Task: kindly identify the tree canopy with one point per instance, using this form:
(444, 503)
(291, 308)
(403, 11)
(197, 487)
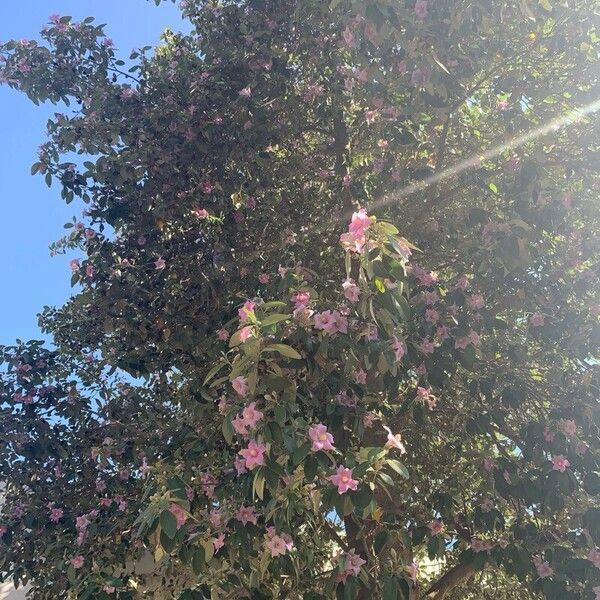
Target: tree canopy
(335, 322)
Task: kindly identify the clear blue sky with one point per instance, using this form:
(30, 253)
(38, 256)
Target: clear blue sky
(32, 215)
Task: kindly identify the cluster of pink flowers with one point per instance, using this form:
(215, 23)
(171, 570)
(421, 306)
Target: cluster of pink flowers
(247, 514)
(248, 419)
(354, 240)
(350, 565)
(278, 544)
(543, 568)
(331, 322)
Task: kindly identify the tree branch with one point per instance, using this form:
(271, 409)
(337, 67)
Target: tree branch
(451, 579)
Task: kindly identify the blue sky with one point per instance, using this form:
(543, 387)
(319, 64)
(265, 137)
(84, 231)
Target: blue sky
(32, 215)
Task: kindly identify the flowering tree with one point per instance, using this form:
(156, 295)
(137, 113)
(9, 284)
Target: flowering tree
(274, 392)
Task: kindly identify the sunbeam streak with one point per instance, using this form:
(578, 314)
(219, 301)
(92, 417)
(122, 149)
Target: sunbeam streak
(571, 117)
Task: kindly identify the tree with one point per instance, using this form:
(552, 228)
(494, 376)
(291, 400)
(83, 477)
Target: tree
(277, 404)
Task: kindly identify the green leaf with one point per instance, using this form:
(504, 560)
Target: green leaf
(390, 587)
(228, 431)
(284, 350)
(493, 187)
(275, 318)
(168, 523)
(209, 550)
(198, 560)
(398, 467)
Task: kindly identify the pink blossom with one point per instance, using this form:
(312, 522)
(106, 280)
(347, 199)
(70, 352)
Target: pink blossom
(436, 526)
(254, 454)
(240, 385)
(160, 263)
(360, 377)
(351, 290)
(246, 514)
(216, 517)
(569, 427)
(352, 564)
(279, 545)
(413, 570)
(352, 243)
(543, 568)
(560, 463)
(343, 480)
(502, 104)
(251, 416)
(246, 333)
(394, 441)
(596, 591)
(56, 514)
(360, 223)
(219, 541)
(246, 311)
(240, 425)
(399, 348)
(548, 435)
(477, 301)
(245, 92)
(426, 346)
(432, 315)
(421, 9)
(264, 278)
(300, 299)
(179, 514)
(77, 561)
(478, 545)
(223, 334)
(594, 558)
(537, 319)
(349, 37)
(201, 213)
(321, 438)
(331, 322)
(74, 265)
(3, 530)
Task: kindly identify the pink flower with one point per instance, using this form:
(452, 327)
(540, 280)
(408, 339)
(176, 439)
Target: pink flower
(569, 427)
(398, 347)
(77, 561)
(477, 301)
(74, 265)
(352, 564)
(277, 545)
(352, 243)
(537, 319)
(254, 454)
(560, 463)
(246, 311)
(543, 568)
(179, 514)
(245, 333)
(240, 385)
(413, 570)
(351, 290)
(502, 104)
(596, 591)
(343, 480)
(349, 36)
(394, 441)
(360, 377)
(240, 425)
(300, 299)
(56, 514)
(246, 514)
(421, 9)
(426, 346)
(201, 213)
(3, 530)
(219, 541)
(321, 438)
(360, 223)
(326, 321)
(548, 435)
(245, 92)
(223, 334)
(264, 278)
(160, 263)
(216, 517)
(594, 558)
(436, 526)
(251, 416)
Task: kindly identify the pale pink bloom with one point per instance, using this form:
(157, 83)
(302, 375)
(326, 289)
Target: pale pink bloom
(240, 465)
(371, 32)
(77, 561)
(246, 514)
(240, 385)
(413, 570)
(90, 271)
(477, 301)
(201, 213)
(371, 332)
(300, 299)
(432, 315)
(560, 463)
(462, 342)
(548, 435)
(352, 243)
(351, 290)
(569, 427)
(251, 416)
(442, 333)
(74, 265)
(394, 441)
(594, 558)
(581, 448)
(421, 9)
(240, 425)
(246, 310)
(360, 223)
(543, 568)
(56, 514)
(537, 319)
(371, 117)
(264, 278)
(362, 75)
(436, 526)
(343, 480)
(596, 591)
(426, 346)
(478, 545)
(127, 93)
(276, 545)
(399, 348)
(216, 517)
(245, 92)
(502, 104)
(321, 438)
(349, 37)
(254, 454)
(360, 377)
(160, 263)
(341, 322)
(219, 541)
(245, 333)
(179, 514)
(223, 334)
(352, 564)
(462, 283)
